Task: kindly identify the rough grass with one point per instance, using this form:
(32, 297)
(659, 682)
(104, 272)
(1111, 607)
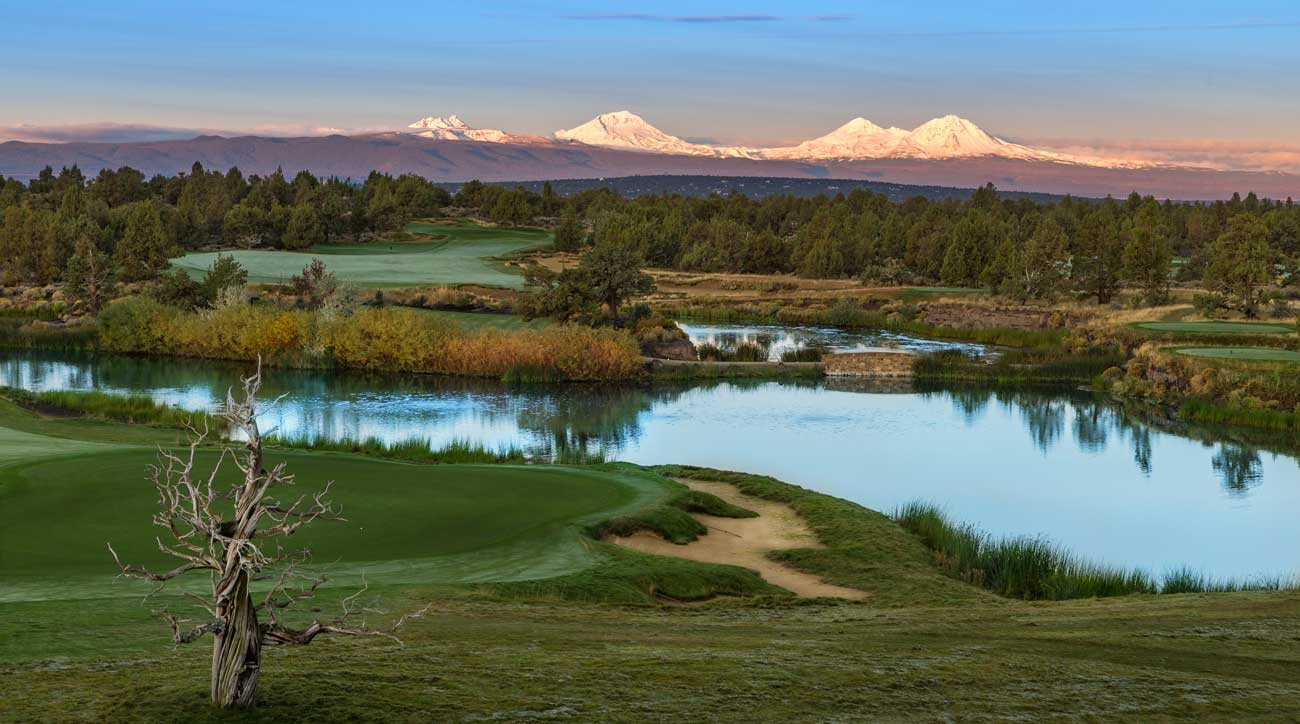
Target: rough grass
(467, 255)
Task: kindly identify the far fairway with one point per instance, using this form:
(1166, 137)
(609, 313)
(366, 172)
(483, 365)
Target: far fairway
(1218, 327)
(450, 254)
(1250, 354)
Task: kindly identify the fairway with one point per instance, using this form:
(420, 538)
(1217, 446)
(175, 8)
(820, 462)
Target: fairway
(61, 501)
(449, 254)
(1250, 354)
(1218, 327)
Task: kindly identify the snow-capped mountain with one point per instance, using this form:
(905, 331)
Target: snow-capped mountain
(859, 138)
(627, 130)
(452, 128)
(947, 137)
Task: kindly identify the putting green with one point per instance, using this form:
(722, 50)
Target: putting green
(1218, 327)
(1252, 354)
(467, 255)
(406, 523)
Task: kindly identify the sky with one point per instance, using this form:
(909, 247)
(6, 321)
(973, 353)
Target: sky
(1204, 77)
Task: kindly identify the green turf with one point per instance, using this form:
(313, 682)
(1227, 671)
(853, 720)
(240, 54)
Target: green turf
(468, 255)
(1251, 354)
(1217, 327)
(485, 320)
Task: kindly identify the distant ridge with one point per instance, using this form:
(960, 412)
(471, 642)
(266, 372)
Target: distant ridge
(443, 160)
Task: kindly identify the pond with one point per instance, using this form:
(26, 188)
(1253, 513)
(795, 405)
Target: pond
(1058, 463)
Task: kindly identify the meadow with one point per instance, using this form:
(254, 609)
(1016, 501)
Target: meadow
(426, 254)
(534, 618)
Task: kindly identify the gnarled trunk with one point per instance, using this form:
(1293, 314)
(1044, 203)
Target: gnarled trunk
(236, 650)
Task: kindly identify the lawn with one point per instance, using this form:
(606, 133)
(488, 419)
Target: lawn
(460, 254)
(1249, 354)
(1218, 327)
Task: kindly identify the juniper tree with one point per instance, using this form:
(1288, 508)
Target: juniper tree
(233, 532)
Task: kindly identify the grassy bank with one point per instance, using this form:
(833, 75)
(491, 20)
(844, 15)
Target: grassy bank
(1039, 365)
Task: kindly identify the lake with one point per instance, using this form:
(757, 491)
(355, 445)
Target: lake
(1059, 463)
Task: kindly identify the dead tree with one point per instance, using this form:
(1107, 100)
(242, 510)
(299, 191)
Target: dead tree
(231, 531)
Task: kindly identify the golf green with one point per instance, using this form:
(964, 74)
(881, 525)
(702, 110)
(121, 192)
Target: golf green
(62, 502)
(462, 254)
(1251, 354)
(1218, 327)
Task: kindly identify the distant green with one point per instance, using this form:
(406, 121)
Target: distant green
(1252, 354)
(463, 254)
(1218, 327)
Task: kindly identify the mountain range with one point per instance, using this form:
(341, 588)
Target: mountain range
(948, 151)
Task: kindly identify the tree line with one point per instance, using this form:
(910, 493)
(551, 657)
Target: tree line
(120, 226)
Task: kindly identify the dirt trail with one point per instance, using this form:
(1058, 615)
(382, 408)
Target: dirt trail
(746, 541)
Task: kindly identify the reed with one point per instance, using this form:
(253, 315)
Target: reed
(414, 450)
(133, 409)
(1018, 567)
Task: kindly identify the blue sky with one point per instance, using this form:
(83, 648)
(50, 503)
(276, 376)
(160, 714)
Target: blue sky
(752, 72)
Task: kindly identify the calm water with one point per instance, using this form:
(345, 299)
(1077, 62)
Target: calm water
(1061, 464)
(778, 339)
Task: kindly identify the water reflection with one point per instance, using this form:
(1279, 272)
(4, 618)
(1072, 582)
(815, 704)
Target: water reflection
(1063, 463)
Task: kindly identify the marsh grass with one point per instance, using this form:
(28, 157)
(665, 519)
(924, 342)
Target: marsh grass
(1023, 567)
(134, 409)
(744, 352)
(414, 450)
(803, 354)
(1034, 568)
(1043, 364)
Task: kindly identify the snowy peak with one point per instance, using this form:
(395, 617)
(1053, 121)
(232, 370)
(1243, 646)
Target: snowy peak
(954, 136)
(625, 129)
(452, 128)
(452, 122)
(859, 138)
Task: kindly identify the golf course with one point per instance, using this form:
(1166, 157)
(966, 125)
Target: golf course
(523, 587)
(426, 254)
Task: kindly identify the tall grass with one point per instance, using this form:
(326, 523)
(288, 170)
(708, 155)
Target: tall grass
(135, 409)
(1034, 568)
(414, 450)
(1046, 364)
(744, 352)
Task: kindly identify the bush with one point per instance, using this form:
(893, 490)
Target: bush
(381, 338)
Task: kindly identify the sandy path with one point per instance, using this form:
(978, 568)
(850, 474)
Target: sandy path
(745, 542)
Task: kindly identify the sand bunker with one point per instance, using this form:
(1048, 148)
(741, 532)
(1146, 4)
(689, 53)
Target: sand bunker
(746, 541)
